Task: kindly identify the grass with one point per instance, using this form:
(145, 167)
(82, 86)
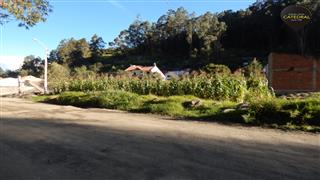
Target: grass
(297, 114)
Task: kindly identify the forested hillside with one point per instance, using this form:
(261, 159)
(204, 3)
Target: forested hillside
(181, 39)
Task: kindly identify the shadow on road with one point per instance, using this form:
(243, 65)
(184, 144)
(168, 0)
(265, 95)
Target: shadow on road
(58, 149)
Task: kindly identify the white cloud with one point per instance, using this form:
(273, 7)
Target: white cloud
(11, 62)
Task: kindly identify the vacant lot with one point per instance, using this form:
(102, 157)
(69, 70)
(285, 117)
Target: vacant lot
(41, 141)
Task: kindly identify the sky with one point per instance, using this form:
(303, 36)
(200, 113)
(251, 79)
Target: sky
(83, 18)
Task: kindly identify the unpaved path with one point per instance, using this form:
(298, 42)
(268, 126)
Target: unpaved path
(41, 141)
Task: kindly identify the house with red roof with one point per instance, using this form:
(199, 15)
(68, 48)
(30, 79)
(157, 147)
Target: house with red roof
(139, 71)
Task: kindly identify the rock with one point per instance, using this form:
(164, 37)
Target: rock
(193, 103)
(228, 110)
(243, 106)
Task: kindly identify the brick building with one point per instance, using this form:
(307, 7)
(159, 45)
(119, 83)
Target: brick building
(293, 73)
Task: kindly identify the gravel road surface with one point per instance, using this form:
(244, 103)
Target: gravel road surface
(51, 142)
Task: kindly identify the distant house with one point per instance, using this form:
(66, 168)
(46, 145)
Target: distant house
(139, 71)
(176, 74)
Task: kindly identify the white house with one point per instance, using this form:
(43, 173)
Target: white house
(137, 70)
(176, 74)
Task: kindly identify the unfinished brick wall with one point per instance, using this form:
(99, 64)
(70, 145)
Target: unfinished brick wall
(293, 73)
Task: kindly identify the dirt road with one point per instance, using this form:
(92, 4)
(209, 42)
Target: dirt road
(50, 142)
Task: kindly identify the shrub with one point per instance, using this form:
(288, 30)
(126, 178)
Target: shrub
(258, 89)
(254, 69)
(58, 77)
(281, 111)
(110, 99)
(80, 99)
(118, 100)
(83, 73)
(216, 69)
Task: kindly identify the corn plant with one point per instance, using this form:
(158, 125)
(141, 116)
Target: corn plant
(218, 87)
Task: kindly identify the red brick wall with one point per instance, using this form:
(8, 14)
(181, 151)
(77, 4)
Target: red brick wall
(293, 73)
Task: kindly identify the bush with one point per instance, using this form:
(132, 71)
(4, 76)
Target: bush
(254, 69)
(258, 89)
(83, 73)
(80, 99)
(280, 111)
(111, 99)
(118, 100)
(58, 77)
(216, 69)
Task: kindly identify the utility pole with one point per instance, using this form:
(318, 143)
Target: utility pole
(45, 65)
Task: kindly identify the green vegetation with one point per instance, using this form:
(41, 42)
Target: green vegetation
(87, 74)
(57, 74)
(28, 13)
(280, 111)
(217, 87)
(180, 39)
(214, 94)
(32, 66)
(303, 114)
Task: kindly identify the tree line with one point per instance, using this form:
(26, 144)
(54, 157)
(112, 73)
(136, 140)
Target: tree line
(180, 39)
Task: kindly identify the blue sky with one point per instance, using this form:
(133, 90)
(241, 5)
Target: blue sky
(83, 18)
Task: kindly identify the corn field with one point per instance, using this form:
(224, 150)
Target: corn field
(233, 88)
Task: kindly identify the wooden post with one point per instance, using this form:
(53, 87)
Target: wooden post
(19, 85)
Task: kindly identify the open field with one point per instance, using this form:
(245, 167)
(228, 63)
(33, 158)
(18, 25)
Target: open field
(41, 141)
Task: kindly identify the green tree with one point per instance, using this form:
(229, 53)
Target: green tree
(176, 35)
(216, 69)
(96, 47)
(72, 52)
(209, 30)
(260, 29)
(32, 66)
(26, 12)
(133, 37)
(11, 73)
